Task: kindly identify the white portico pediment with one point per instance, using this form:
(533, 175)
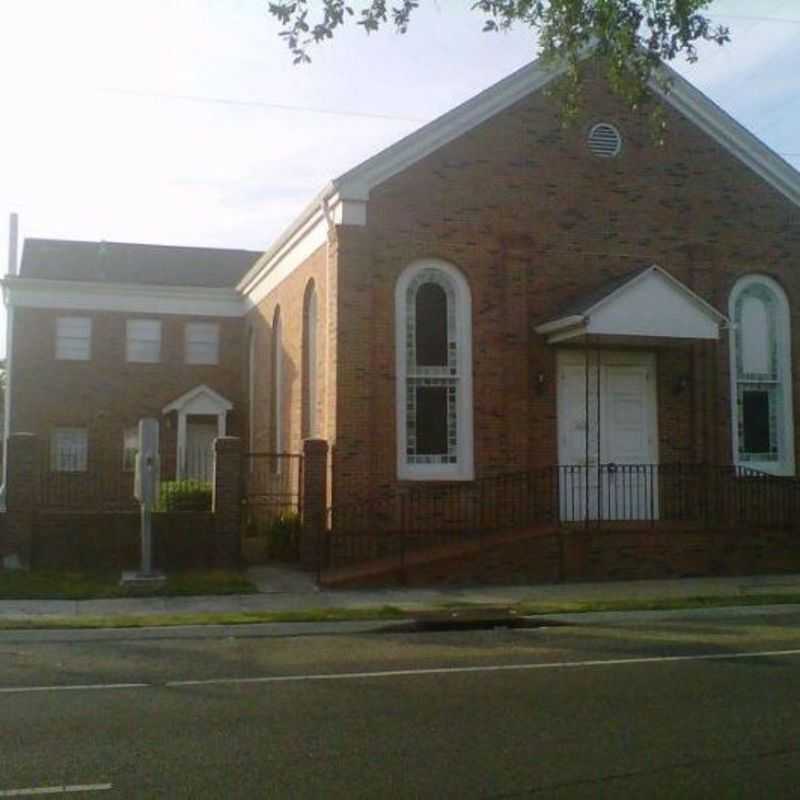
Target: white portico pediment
(648, 305)
(200, 400)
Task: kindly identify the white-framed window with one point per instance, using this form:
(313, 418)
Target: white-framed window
(310, 424)
(202, 343)
(73, 338)
(761, 376)
(143, 340)
(130, 447)
(69, 449)
(433, 339)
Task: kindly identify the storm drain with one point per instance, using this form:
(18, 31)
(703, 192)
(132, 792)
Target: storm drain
(470, 619)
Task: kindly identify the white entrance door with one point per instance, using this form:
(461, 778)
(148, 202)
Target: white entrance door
(607, 456)
(199, 455)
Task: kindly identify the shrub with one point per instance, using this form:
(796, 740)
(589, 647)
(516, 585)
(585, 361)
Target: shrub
(188, 495)
(282, 534)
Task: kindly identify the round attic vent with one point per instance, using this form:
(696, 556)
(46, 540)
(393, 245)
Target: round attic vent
(604, 140)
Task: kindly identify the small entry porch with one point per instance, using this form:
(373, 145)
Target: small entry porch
(608, 407)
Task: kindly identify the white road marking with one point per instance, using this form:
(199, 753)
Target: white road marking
(86, 687)
(403, 673)
(86, 787)
(400, 673)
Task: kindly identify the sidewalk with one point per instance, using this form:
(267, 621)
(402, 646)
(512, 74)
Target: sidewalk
(282, 590)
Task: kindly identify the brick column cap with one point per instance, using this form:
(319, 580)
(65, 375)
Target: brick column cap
(226, 443)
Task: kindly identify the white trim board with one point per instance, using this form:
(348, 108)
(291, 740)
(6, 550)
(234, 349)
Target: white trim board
(133, 298)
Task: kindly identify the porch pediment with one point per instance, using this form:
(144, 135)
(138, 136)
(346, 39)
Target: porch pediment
(200, 400)
(648, 305)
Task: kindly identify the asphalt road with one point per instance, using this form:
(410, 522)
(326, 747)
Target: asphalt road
(673, 709)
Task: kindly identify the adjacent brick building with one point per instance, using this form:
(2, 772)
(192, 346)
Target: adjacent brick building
(494, 293)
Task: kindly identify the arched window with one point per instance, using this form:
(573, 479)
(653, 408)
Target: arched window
(276, 383)
(310, 426)
(433, 322)
(761, 376)
(251, 389)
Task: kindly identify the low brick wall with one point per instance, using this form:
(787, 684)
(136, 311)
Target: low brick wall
(550, 556)
(97, 540)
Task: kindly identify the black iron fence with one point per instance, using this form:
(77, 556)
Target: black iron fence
(433, 515)
(71, 481)
(272, 488)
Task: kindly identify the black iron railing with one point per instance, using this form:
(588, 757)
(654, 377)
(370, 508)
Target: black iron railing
(433, 515)
(73, 480)
(272, 487)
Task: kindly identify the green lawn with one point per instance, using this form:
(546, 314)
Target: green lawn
(46, 585)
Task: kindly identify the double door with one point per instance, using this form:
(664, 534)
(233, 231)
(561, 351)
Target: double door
(607, 434)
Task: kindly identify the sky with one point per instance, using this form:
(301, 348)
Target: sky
(185, 121)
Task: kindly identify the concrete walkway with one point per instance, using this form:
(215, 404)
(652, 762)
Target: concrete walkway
(282, 589)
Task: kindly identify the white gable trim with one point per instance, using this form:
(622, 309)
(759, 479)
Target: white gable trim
(134, 298)
(343, 201)
(700, 321)
(731, 135)
(195, 397)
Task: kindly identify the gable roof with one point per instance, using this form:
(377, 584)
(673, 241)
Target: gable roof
(685, 98)
(647, 302)
(355, 185)
(118, 262)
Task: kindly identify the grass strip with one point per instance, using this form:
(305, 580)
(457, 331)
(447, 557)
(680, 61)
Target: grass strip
(386, 612)
(48, 585)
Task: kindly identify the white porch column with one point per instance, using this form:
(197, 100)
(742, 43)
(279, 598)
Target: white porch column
(221, 419)
(181, 463)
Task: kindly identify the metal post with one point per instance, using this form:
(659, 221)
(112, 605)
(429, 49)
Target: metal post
(147, 540)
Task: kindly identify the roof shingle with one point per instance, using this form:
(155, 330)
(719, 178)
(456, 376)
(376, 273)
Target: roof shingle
(117, 262)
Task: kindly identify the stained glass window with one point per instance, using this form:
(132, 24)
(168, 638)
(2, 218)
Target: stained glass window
(761, 374)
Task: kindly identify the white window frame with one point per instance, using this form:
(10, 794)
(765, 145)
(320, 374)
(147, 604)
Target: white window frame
(201, 343)
(134, 337)
(785, 463)
(130, 434)
(73, 338)
(80, 452)
(459, 294)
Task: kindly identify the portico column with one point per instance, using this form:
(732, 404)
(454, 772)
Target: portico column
(181, 465)
(221, 418)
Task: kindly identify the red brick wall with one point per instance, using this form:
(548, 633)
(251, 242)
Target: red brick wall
(106, 394)
(289, 295)
(532, 219)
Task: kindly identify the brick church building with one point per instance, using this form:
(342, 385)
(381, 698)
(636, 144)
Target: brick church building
(494, 294)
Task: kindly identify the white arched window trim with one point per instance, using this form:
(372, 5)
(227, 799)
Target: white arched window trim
(277, 381)
(460, 295)
(310, 324)
(251, 388)
(785, 463)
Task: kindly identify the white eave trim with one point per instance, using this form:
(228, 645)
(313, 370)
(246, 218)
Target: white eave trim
(126, 297)
(730, 134)
(216, 399)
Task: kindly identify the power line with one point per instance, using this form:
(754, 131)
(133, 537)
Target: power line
(191, 98)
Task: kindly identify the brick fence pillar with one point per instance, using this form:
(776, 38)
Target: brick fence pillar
(315, 500)
(22, 499)
(227, 501)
